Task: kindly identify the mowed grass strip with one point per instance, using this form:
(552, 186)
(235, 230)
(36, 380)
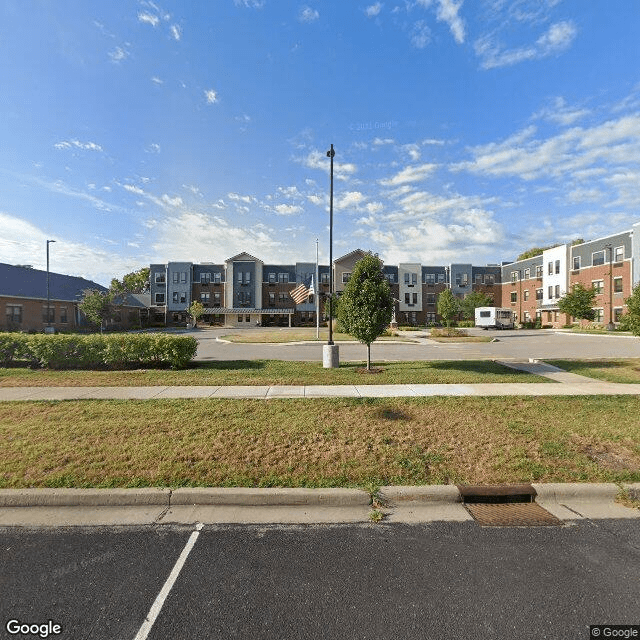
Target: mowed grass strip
(319, 443)
(625, 371)
(273, 372)
(297, 335)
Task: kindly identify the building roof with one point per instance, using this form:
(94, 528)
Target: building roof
(23, 282)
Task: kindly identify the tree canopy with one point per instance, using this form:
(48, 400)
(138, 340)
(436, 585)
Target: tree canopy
(631, 319)
(366, 305)
(578, 303)
(134, 282)
(472, 301)
(448, 306)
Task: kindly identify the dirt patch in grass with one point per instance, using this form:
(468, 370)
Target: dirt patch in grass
(316, 443)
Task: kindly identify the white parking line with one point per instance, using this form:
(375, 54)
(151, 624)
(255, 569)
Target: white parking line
(164, 592)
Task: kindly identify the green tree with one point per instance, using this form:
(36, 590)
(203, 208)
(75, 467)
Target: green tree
(195, 311)
(97, 306)
(448, 306)
(366, 304)
(472, 301)
(578, 303)
(630, 321)
(134, 282)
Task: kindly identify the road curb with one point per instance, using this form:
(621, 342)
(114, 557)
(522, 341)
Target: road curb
(290, 497)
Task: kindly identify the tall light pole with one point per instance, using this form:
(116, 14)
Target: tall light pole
(330, 355)
(331, 153)
(611, 326)
(48, 293)
(317, 294)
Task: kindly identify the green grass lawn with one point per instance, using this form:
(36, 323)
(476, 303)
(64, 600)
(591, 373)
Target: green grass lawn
(274, 372)
(319, 443)
(625, 371)
(298, 334)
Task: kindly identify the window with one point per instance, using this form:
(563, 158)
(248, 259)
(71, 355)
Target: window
(514, 296)
(160, 278)
(272, 278)
(272, 299)
(247, 318)
(557, 266)
(597, 258)
(282, 297)
(216, 299)
(406, 278)
(430, 278)
(51, 316)
(557, 292)
(617, 285)
(14, 314)
(526, 294)
(576, 263)
(217, 278)
(598, 285)
(550, 268)
(204, 298)
(514, 276)
(539, 295)
(599, 317)
(390, 277)
(406, 298)
(239, 318)
(478, 278)
(539, 269)
(440, 277)
(550, 293)
(527, 274)
(346, 275)
(431, 318)
(618, 254)
(159, 298)
(324, 278)
(431, 298)
(175, 296)
(617, 314)
(489, 279)
(63, 315)
(205, 278)
(414, 298)
(175, 277)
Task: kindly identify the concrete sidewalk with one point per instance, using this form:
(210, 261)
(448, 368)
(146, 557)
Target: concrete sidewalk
(156, 505)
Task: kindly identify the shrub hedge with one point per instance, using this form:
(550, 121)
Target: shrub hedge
(120, 351)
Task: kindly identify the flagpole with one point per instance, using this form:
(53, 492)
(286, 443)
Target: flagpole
(317, 295)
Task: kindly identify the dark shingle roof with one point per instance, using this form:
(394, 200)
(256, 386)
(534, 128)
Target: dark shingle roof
(22, 282)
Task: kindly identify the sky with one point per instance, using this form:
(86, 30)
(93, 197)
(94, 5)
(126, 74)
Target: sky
(137, 132)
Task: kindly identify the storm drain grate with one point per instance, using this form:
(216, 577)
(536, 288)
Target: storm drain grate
(506, 506)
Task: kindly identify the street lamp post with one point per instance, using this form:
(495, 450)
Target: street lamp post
(611, 326)
(48, 327)
(330, 355)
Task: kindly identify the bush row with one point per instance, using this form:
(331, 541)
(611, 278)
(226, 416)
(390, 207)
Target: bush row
(120, 351)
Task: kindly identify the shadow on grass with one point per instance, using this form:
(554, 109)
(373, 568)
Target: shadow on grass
(228, 365)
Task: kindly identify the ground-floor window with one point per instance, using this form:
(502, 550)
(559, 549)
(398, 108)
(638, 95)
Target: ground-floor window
(14, 314)
(599, 315)
(617, 314)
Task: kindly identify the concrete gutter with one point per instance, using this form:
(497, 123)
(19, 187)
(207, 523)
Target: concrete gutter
(68, 507)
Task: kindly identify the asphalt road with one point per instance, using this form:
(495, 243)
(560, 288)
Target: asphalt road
(436, 580)
(510, 345)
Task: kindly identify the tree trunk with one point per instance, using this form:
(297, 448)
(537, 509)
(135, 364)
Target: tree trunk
(368, 357)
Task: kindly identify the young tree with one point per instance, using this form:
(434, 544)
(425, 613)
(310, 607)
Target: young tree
(631, 319)
(448, 306)
(97, 306)
(578, 303)
(366, 305)
(472, 301)
(195, 311)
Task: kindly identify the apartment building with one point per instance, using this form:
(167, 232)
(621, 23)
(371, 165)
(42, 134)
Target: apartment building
(245, 291)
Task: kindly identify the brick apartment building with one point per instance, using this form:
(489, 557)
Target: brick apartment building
(244, 291)
(23, 301)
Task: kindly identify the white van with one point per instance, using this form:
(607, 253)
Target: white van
(494, 318)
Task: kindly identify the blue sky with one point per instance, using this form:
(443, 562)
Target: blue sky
(469, 131)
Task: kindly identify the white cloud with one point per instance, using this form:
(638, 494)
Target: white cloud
(318, 160)
(251, 4)
(238, 198)
(448, 12)
(157, 80)
(373, 10)
(557, 39)
(176, 32)
(349, 200)
(561, 113)
(410, 174)
(118, 54)
(211, 96)
(76, 144)
(420, 35)
(308, 15)
(288, 209)
(153, 148)
(378, 142)
(148, 18)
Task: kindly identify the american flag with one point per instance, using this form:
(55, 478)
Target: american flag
(302, 292)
